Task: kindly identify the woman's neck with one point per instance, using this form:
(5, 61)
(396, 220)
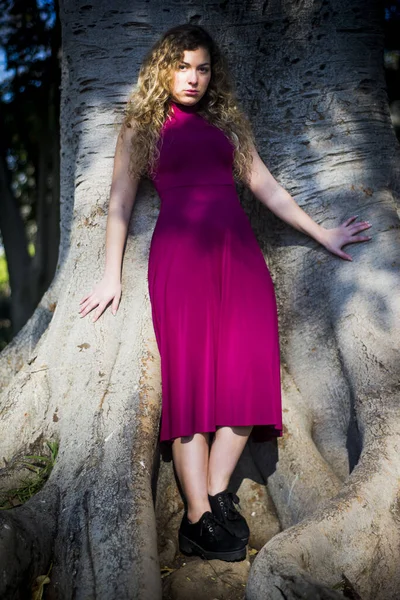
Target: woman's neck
(185, 107)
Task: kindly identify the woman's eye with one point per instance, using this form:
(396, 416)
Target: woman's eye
(202, 69)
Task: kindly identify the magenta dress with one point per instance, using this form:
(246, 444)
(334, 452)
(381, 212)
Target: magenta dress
(212, 297)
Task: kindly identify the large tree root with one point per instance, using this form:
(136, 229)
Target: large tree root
(26, 541)
(298, 478)
(21, 349)
(98, 394)
(352, 538)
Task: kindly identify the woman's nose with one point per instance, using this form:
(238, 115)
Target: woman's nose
(193, 77)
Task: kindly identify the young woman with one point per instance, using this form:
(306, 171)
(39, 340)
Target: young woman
(213, 303)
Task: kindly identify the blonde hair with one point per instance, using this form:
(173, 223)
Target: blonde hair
(149, 102)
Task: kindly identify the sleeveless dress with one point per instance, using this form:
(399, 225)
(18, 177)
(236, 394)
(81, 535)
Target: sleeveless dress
(212, 298)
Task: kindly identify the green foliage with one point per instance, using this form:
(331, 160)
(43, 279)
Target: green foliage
(4, 277)
(3, 273)
(38, 585)
(41, 466)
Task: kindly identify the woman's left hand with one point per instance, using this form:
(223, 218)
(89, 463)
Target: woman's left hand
(337, 237)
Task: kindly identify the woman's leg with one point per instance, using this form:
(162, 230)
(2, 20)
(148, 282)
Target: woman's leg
(190, 455)
(226, 448)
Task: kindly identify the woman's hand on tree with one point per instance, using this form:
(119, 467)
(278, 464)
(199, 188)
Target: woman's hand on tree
(337, 237)
(103, 293)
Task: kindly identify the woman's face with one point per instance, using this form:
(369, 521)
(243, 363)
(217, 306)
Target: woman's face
(192, 74)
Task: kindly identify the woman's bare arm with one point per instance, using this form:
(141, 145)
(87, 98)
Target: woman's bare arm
(122, 197)
(266, 189)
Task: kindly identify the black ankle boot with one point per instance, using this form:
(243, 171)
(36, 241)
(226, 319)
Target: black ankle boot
(223, 508)
(209, 538)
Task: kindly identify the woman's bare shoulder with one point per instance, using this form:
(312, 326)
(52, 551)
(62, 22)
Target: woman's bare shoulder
(123, 154)
(128, 130)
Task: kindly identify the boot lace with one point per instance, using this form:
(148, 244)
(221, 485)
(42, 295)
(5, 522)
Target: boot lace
(227, 502)
(210, 524)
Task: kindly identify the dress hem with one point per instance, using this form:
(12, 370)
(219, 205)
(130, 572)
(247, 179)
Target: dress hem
(269, 431)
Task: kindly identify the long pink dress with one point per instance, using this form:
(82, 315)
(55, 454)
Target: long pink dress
(212, 297)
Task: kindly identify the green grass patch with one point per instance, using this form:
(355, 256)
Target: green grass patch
(4, 276)
(41, 466)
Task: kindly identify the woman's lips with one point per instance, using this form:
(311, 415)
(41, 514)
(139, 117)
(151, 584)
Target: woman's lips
(191, 92)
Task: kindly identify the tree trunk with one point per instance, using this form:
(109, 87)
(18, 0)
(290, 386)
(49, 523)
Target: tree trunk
(338, 319)
(311, 78)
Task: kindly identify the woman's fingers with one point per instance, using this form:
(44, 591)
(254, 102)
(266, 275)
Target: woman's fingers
(101, 305)
(92, 302)
(85, 298)
(359, 238)
(85, 302)
(106, 291)
(350, 220)
(345, 234)
(357, 228)
(99, 311)
(342, 254)
(90, 306)
(115, 304)
(361, 225)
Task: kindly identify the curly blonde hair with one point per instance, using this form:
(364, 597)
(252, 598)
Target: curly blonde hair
(149, 102)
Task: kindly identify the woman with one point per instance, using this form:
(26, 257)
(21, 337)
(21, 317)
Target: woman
(213, 303)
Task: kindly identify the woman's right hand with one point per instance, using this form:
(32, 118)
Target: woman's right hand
(105, 291)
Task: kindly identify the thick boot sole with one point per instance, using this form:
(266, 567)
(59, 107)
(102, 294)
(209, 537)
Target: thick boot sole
(189, 547)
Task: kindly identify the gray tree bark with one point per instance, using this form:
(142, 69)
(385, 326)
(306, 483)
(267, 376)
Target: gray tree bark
(310, 76)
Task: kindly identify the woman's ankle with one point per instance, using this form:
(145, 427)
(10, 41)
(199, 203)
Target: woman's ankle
(195, 513)
(215, 487)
